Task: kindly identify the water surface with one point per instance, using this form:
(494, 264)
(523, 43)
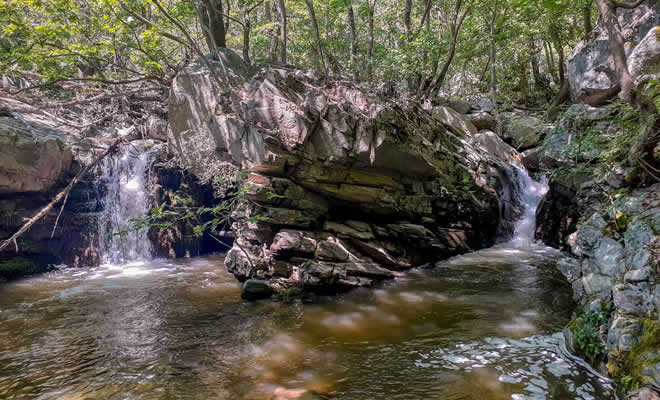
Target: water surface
(480, 326)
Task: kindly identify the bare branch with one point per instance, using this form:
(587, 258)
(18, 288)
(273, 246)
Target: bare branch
(623, 4)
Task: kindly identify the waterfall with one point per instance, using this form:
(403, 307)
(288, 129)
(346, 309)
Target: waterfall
(529, 193)
(127, 180)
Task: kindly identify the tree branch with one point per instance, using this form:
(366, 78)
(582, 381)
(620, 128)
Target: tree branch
(623, 4)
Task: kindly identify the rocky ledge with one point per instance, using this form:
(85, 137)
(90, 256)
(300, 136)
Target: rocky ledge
(344, 187)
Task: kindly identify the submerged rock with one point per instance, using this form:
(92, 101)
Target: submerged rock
(254, 289)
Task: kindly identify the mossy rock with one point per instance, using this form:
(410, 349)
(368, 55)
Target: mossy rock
(635, 368)
(16, 268)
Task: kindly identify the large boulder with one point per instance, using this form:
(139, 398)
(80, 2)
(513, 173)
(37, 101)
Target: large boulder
(589, 67)
(345, 186)
(32, 156)
(645, 58)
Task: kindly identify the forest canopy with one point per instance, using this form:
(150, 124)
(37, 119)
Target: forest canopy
(431, 45)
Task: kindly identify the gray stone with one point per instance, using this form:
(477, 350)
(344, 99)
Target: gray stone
(490, 143)
(634, 299)
(595, 284)
(570, 268)
(645, 57)
(609, 257)
(346, 231)
(453, 120)
(637, 275)
(254, 289)
(587, 237)
(589, 67)
(638, 235)
(482, 120)
(646, 393)
(622, 333)
(639, 258)
(521, 130)
(461, 106)
(578, 289)
(331, 251)
(32, 156)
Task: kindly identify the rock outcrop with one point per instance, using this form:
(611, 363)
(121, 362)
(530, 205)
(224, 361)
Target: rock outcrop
(32, 156)
(344, 188)
(589, 67)
(35, 162)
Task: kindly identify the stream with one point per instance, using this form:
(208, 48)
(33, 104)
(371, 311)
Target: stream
(485, 325)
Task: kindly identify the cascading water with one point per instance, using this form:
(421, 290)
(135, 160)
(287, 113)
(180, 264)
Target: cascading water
(529, 193)
(127, 178)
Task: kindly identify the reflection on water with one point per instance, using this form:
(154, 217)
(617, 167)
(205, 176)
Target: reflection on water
(479, 326)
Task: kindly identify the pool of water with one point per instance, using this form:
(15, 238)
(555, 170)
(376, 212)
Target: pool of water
(479, 326)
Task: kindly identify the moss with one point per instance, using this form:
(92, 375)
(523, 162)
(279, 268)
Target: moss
(626, 368)
(16, 267)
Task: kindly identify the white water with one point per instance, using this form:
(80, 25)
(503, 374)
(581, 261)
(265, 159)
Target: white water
(127, 177)
(529, 194)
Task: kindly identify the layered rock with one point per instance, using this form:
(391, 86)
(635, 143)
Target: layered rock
(36, 162)
(589, 67)
(344, 187)
(32, 156)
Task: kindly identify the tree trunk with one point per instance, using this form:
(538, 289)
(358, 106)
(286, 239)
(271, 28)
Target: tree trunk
(247, 27)
(550, 60)
(630, 93)
(407, 9)
(370, 42)
(455, 27)
(540, 81)
(272, 45)
(212, 21)
(559, 47)
(317, 36)
(493, 76)
(282, 11)
(350, 20)
(586, 19)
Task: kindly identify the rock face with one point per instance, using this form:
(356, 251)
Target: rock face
(32, 156)
(616, 276)
(35, 164)
(589, 67)
(345, 188)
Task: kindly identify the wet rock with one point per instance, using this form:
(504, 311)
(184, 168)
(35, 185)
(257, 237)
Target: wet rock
(254, 289)
(608, 255)
(570, 268)
(341, 179)
(557, 216)
(490, 143)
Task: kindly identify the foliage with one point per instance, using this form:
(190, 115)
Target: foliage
(16, 267)
(117, 40)
(586, 330)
